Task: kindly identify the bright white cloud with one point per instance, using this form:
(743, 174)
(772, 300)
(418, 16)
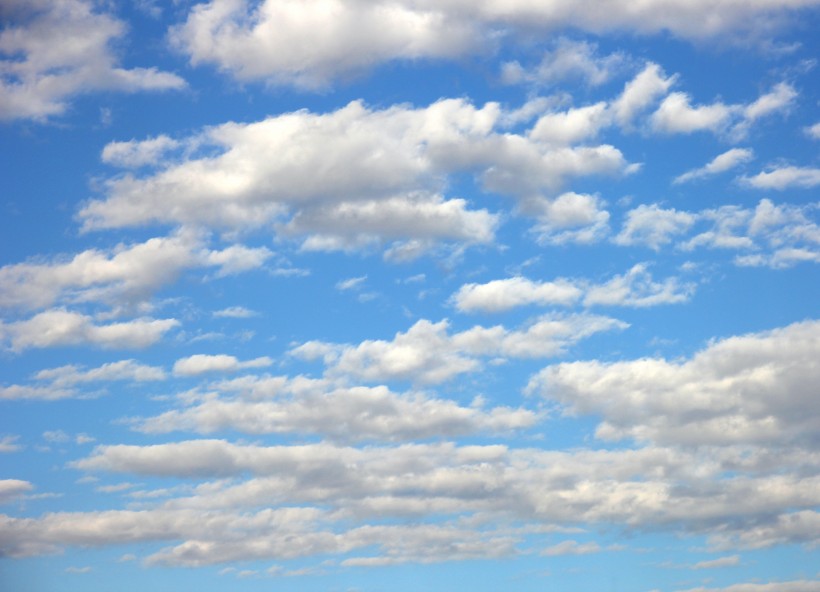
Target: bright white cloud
(571, 218)
(653, 226)
(203, 363)
(66, 51)
(428, 353)
(785, 177)
(637, 289)
(60, 327)
(752, 389)
(353, 177)
(339, 414)
(309, 44)
(641, 93)
(122, 277)
(500, 295)
(720, 164)
(134, 154)
(235, 312)
(129, 370)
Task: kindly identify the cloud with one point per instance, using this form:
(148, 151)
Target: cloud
(11, 489)
(720, 164)
(340, 414)
(59, 327)
(235, 312)
(130, 370)
(500, 295)
(296, 44)
(351, 178)
(203, 363)
(59, 50)
(571, 218)
(427, 353)
(135, 154)
(787, 586)
(121, 277)
(813, 131)
(785, 177)
(641, 93)
(729, 561)
(637, 289)
(653, 226)
(569, 59)
(8, 445)
(751, 389)
(571, 547)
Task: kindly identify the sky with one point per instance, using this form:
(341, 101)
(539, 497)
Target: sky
(401, 295)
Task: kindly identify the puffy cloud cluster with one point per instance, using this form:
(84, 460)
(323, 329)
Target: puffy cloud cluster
(635, 288)
(428, 353)
(310, 44)
(753, 389)
(66, 51)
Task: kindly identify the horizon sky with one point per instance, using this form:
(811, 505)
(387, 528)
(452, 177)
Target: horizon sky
(399, 295)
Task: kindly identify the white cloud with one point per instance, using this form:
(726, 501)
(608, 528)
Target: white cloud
(813, 131)
(751, 389)
(8, 444)
(568, 59)
(11, 489)
(571, 547)
(500, 295)
(785, 177)
(641, 93)
(571, 218)
(338, 414)
(122, 277)
(235, 312)
(308, 44)
(637, 289)
(65, 51)
(653, 226)
(427, 353)
(59, 327)
(350, 178)
(720, 164)
(134, 154)
(572, 126)
(130, 370)
(203, 363)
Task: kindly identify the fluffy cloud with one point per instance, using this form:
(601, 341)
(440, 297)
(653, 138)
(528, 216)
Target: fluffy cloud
(428, 353)
(11, 489)
(571, 218)
(122, 277)
(65, 50)
(567, 60)
(653, 226)
(721, 163)
(635, 288)
(203, 363)
(752, 389)
(500, 295)
(339, 414)
(134, 154)
(298, 43)
(785, 177)
(380, 172)
(789, 586)
(60, 327)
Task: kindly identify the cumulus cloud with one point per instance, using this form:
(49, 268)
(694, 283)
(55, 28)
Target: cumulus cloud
(784, 177)
(751, 389)
(338, 414)
(653, 226)
(11, 489)
(55, 51)
(129, 370)
(60, 327)
(122, 277)
(500, 295)
(135, 154)
(204, 363)
(720, 164)
(235, 312)
(571, 218)
(295, 43)
(353, 177)
(813, 131)
(636, 288)
(428, 353)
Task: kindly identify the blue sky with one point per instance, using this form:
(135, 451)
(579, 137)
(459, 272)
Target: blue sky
(335, 295)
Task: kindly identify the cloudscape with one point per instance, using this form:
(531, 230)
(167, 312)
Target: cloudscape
(403, 295)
